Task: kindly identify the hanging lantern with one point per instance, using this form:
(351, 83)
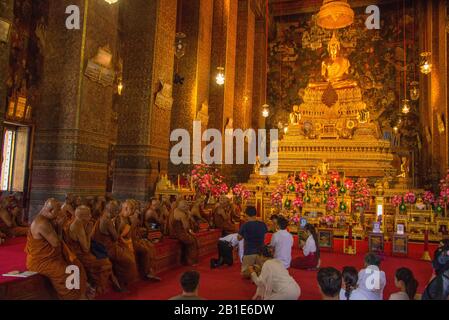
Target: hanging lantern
(220, 78)
(307, 199)
(405, 106)
(287, 203)
(414, 90)
(402, 207)
(395, 129)
(180, 45)
(291, 188)
(265, 110)
(342, 206)
(425, 64)
(342, 190)
(111, 1)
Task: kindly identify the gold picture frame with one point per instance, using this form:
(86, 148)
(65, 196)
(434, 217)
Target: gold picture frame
(5, 30)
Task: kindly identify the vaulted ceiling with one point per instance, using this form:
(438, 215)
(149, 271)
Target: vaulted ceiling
(289, 7)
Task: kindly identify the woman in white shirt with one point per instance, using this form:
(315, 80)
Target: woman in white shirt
(274, 281)
(350, 290)
(406, 282)
(310, 249)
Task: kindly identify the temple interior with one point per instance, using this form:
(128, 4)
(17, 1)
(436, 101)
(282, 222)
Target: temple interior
(169, 120)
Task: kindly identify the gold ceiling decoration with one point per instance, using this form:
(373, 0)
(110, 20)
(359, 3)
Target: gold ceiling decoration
(335, 14)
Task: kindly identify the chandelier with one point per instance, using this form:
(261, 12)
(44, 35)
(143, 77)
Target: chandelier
(335, 14)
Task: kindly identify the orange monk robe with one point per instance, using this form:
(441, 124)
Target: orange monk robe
(99, 271)
(52, 263)
(223, 224)
(16, 231)
(122, 258)
(190, 243)
(142, 250)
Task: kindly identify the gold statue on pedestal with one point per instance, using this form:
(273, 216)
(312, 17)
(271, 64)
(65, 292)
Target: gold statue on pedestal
(335, 69)
(295, 116)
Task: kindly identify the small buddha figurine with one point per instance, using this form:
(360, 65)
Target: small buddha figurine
(295, 116)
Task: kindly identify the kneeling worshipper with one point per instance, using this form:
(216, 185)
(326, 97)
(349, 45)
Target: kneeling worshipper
(107, 240)
(310, 249)
(282, 242)
(274, 281)
(11, 223)
(45, 254)
(222, 216)
(226, 247)
(141, 244)
(77, 236)
(183, 232)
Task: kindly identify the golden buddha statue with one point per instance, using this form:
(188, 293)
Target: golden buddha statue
(295, 116)
(335, 69)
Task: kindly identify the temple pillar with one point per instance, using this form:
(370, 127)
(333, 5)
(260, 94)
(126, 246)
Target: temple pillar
(73, 116)
(244, 66)
(434, 98)
(144, 110)
(191, 98)
(224, 33)
(260, 73)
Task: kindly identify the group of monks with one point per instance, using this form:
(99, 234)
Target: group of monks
(106, 240)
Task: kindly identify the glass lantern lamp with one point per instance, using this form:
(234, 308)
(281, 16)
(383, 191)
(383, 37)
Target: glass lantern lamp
(425, 65)
(414, 90)
(220, 78)
(405, 106)
(265, 111)
(180, 45)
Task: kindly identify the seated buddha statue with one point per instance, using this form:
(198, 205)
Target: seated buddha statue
(295, 116)
(335, 69)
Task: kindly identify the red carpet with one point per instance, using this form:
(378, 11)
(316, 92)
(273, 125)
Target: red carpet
(227, 284)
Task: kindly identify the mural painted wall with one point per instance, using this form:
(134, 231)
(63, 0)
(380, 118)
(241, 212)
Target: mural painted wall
(298, 46)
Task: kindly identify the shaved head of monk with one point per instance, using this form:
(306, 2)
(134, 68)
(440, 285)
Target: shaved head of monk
(113, 207)
(83, 213)
(51, 209)
(127, 208)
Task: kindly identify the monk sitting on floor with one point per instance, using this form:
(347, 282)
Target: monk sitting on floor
(165, 210)
(68, 207)
(45, 254)
(107, 239)
(142, 246)
(154, 215)
(11, 223)
(196, 214)
(183, 232)
(223, 218)
(77, 236)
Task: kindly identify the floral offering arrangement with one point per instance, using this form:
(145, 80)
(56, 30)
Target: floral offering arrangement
(396, 200)
(362, 193)
(240, 192)
(410, 197)
(206, 179)
(429, 198)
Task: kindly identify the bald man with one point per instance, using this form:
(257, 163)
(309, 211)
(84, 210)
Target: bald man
(223, 216)
(45, 254)
(196, 216)
(183, 232)
(106, 235)
(156, 214)
(77, 235)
